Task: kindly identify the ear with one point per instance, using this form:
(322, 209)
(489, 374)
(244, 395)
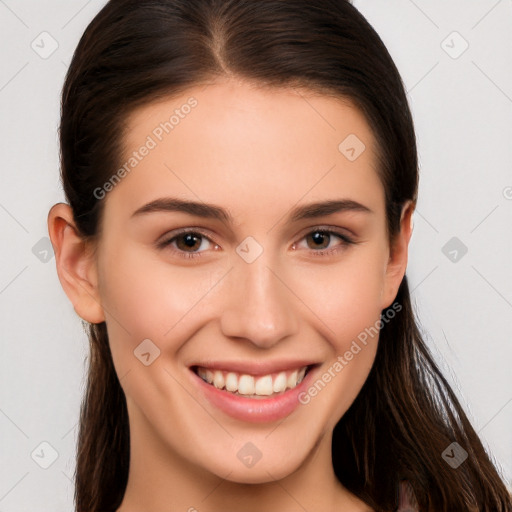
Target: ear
(397, 263)
(76, 264)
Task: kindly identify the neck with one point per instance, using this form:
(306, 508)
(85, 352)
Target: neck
(161, 480)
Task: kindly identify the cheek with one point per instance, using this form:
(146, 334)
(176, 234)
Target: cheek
(146, 298)
(346, 301)
(346, 296)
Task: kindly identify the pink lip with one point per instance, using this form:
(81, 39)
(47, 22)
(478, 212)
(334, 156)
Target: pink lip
(254, 410)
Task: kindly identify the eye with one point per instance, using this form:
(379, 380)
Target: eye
(320, 239)
(187, 243)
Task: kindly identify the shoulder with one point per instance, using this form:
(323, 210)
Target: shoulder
(406, 498)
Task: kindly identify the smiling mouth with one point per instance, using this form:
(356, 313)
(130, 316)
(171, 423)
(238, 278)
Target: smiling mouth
(250, 386)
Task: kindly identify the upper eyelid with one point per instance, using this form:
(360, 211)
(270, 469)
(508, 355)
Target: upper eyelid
(333, 230)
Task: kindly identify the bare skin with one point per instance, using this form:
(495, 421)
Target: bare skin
(258, 154)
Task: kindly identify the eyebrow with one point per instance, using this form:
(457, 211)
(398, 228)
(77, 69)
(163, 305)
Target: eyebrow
(211, 211)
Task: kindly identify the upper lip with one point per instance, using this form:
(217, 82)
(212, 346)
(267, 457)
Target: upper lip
(254, 367)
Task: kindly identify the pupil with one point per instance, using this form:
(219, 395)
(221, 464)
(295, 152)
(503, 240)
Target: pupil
(318, 236)
(190, 240)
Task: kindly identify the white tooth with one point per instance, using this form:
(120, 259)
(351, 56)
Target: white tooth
(218, 380)
(246, 385)
(231, 382)
(292, 379)
(279, 383)
(264, 385)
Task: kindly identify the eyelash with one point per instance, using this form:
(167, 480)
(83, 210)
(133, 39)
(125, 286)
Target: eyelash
(346, 241)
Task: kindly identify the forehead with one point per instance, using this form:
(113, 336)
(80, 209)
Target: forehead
(248, 148)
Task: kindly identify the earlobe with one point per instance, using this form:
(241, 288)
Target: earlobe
(76, 265)
(397, 262)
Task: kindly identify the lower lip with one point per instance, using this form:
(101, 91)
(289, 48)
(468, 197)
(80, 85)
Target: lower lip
(254, 410)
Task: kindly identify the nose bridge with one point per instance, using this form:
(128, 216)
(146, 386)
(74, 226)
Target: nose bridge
(259, 307)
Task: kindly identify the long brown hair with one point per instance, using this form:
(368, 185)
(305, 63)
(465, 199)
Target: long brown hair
(135, 52)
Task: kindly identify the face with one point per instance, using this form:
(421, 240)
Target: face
(251, 284)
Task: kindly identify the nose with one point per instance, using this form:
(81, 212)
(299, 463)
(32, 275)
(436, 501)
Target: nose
(259, 306)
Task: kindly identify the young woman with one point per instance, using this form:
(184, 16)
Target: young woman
(241, 178)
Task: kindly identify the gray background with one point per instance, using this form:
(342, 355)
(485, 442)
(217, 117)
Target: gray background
(462, 106)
